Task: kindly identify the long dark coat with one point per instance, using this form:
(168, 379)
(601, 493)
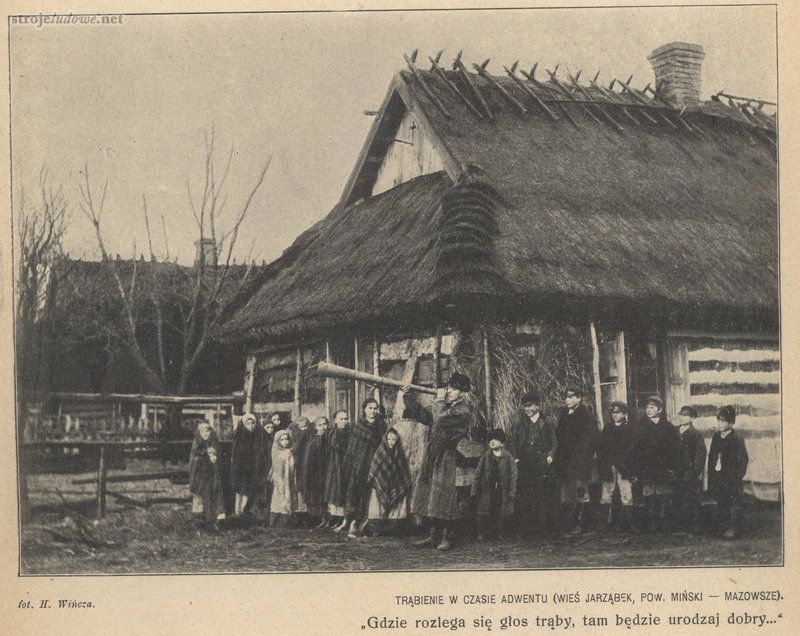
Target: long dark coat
(691, 456)
(311, 480)
(364, 440)
(249, 461)
(531, 444)
(335, 484)
(577, 436)
(616, 449)
(481, 486)
(657, 450)
(731, 453)
(204, 479)
(435, 493)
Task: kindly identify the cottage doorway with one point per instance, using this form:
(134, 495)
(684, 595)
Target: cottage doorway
(645, 369)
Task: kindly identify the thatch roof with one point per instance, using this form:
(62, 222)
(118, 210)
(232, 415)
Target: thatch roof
(676, 214)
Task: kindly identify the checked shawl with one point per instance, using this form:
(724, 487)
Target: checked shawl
(389, 474)
(364, 440)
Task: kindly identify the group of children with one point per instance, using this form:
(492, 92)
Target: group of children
(643, 474)
(356, 479)
(308, 473)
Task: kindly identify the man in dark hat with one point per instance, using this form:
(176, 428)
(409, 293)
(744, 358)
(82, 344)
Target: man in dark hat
(615, 462)
(532, 441)
(688, 484)
(656, 459)
(573, 465)
(727, 466)
(436, 497)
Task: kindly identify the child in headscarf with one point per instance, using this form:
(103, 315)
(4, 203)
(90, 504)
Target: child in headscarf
(282, 475)
(262, 507)
(311, 481)
(302, 432)
(390, 480)
(249, 464)
(204, 481)
(335, 486)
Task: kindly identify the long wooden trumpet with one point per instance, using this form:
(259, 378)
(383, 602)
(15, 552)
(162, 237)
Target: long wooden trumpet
(329, 370)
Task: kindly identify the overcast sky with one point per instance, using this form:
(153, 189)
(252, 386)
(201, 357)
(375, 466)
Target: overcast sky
(134, 100)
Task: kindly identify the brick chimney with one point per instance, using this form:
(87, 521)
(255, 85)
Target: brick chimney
(678, 67)
(206, 252)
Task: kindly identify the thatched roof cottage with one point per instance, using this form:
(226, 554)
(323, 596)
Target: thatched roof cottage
(540, 229)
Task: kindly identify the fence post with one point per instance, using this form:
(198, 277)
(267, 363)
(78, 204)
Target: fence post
(101, 483)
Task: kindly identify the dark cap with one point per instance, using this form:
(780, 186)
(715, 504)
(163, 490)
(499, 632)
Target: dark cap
(531, 398)
(499, 434)
(576, 390)
(688, 410)
(728, 414)
(619, 406)
(654, 399)
(461, 382)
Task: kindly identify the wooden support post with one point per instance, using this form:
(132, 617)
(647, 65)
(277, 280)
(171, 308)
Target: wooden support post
(487, 377)
(376, 366)
(622, 367)
(408, 378)
(330, 384)
(298, 381)
(357, 383)
(437, 357)
(598, 396)
(101, 483)
(249, 378)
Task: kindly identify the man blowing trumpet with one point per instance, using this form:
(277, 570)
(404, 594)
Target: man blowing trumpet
(435, 495)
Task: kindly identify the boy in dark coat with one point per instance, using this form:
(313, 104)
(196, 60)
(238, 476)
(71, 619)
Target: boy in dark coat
(494, 487)
(614, 463)
(573, 465)
(727, 465)
(688, 484)
(532, 441)
(656, 459)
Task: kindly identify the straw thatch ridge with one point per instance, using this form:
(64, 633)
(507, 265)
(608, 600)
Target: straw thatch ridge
(547, 214)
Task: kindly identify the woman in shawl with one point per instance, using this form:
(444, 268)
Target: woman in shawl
(248, 463)
(364, 440)
(282, 475)
(204, 481)
(301, 431)
(311, 481)
(435, 495)
(335, 487)
(390, 480)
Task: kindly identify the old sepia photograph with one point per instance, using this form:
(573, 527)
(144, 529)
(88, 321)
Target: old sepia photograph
(403, 290)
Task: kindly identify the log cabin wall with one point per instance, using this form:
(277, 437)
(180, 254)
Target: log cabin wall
(410, 155)
(707, 371)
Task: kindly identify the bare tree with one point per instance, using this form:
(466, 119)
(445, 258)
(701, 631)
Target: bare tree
(41, 227)
(206, 288)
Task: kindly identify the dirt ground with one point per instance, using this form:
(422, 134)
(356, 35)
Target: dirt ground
(156, 535)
